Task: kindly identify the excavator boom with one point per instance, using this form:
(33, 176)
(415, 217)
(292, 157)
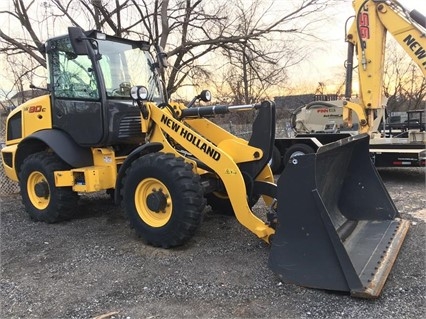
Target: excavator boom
(374, 20)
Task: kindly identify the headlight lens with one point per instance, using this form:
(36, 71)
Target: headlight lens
(139, 93)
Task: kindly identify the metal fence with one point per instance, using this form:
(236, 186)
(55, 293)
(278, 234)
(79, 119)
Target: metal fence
(282, 129)
(7, 187)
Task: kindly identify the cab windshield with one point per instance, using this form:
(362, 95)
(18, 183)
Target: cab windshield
(124, 66)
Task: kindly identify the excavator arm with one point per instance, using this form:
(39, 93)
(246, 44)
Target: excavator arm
(366, 38)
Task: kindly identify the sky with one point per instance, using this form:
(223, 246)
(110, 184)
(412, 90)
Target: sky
(325, 62)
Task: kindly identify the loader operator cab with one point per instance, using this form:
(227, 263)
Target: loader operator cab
(90, 77)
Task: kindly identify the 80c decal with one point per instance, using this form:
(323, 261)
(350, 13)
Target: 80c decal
(35, 109)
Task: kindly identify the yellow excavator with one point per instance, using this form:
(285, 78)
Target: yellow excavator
(321, 121)
(366, 39)
(106, 125)
(340, 179)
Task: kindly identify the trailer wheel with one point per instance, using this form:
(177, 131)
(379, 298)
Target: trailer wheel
(42, 199)
(163, 199)
(276, 161)
(297, 150)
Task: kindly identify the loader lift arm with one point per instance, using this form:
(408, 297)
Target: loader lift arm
(324, 236)
(240, 165)
(366, 38)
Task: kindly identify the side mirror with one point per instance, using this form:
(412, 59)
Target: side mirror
(78, 41)
(204, 96)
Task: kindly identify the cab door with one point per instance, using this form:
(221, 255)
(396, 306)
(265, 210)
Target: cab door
(76, 98)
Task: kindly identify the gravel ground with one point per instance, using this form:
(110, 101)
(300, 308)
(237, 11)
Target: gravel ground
(95, 266)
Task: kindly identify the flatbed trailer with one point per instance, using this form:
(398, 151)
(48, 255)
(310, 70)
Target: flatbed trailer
(397, 152)
(409, 151)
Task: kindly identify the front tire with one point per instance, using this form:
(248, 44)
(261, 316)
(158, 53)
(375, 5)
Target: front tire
(163, 199)
(42, 199)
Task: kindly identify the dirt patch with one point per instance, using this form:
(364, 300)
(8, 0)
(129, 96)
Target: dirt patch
(94, 265)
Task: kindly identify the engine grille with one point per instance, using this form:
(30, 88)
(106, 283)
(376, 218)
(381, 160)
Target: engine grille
(130, 126)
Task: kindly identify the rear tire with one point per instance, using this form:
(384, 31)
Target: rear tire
(163, 199)
(42, 199)
(297, 150)
(220, 203)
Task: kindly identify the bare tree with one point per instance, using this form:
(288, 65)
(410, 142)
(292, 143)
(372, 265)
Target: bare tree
(258, 64)
(22, 45)
(403, 81)
(189, 30)
(21, 72)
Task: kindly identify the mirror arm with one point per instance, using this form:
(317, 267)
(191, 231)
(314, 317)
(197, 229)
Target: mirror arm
(191, 104)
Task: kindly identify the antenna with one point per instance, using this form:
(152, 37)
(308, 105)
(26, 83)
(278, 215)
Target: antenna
(46, 5)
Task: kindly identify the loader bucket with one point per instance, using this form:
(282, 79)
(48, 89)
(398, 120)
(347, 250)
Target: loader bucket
(338, 228)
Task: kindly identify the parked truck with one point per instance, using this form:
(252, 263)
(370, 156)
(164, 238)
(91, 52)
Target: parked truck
(322, 122)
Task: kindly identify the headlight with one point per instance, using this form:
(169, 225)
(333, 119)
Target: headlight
(139, 93)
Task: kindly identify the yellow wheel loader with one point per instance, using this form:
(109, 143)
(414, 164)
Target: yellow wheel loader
(105, 125)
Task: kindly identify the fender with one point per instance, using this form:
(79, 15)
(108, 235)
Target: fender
(135, 154)
(61, 143)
